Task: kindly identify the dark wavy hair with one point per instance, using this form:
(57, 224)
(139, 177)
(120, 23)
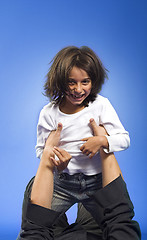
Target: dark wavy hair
(56, 83)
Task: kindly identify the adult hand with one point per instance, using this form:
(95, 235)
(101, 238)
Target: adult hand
(42, 189)
(54, 137)
(52, 140)
(97, 130)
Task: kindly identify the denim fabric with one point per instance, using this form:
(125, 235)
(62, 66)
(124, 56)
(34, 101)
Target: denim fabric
(71, 189)
(84, 219)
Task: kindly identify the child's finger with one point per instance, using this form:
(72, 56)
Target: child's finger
(82, 147)
(91, 155)
(58, 153)
(87, 152)
(61, 152)
(64, 153)
(84, 139)
(56, 163)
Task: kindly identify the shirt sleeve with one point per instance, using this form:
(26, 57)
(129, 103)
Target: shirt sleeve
(118, 138)
(44, 127)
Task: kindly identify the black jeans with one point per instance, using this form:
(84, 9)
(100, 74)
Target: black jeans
(113, 214)
(84, 228)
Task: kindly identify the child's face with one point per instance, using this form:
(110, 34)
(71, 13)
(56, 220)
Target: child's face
(79, 85)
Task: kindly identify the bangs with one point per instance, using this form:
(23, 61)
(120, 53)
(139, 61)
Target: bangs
(84, 58)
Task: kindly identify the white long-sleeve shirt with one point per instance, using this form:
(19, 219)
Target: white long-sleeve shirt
(76, 126)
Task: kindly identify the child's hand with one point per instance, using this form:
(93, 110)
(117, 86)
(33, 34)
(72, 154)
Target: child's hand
(93, 144)
(63, 156)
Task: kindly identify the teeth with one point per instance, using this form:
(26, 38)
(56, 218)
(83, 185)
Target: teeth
(78, 96)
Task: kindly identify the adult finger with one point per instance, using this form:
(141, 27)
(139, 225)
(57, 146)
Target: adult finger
(94, 127)
(59, 128)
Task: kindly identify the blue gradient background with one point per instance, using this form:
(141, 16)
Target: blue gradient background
(31, 33)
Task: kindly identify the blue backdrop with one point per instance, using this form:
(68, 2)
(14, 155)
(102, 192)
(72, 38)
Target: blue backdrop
(32, 31)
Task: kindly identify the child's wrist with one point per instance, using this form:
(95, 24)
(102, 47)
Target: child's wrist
(104, 142)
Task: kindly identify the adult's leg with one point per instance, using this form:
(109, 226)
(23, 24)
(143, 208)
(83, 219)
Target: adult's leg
(111, 206)
(61, 223)
(114, 206)
(115, 212)
(37, 216)
(42, 189)
(84, 216)
(88, 223)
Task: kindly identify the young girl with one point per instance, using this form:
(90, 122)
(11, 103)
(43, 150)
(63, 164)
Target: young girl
(73, 82)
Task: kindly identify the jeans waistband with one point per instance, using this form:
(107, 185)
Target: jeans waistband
(78, 176)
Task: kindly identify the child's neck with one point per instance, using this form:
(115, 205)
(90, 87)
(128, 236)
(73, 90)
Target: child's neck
(68, 108)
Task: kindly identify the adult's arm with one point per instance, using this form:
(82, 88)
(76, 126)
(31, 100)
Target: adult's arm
(39, 217)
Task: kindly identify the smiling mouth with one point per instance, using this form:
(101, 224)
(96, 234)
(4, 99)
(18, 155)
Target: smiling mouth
(77, 97)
